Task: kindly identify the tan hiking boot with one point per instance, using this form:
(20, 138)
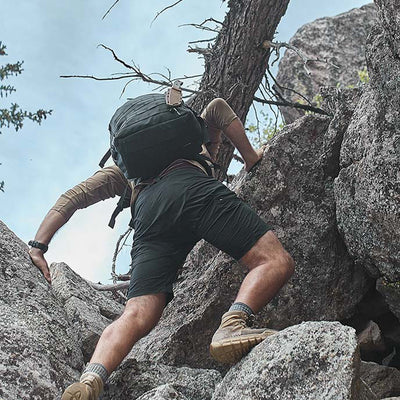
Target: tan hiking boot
(89, 388)
(234, 339)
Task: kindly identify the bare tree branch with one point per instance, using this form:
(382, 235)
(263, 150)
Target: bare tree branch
(295, 105)
(115, 3)
(286, 88)
(267, 44)
(258, 122)
(117, 58)
(165, 9)
(202, 41)
(118, 249)
(212, 20)
(200, 26)
(95, 77)
(123, 277)
(265, 87)
(200, 50)
(112, 287)
(136, 75)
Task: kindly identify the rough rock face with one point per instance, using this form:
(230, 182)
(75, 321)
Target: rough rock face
(292, 189)
(340, 40)
(163, 392)
(383, 381)
(287, 366)
(89, 310)
(39, 353)
(134, 379)
(367, 189)
(43, 329)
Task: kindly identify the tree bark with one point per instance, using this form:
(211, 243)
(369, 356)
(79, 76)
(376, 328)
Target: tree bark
(235, 65)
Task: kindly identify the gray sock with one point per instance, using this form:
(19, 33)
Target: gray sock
(97, 369)
(241, 307)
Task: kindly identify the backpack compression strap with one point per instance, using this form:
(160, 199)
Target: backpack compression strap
(105, 158)
(123, 202)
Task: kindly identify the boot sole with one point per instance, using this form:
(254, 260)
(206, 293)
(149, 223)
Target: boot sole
(76, 391)
(230, 351)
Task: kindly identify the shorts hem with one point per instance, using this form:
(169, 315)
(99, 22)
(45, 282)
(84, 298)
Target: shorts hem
(168, 293)
(251, 243)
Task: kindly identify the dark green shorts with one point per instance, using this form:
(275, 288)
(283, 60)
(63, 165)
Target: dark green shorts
(174, 213)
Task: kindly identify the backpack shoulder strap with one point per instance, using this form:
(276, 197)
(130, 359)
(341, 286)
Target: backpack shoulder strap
(205, 162)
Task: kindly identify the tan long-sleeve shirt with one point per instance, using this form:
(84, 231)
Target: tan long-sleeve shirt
(110, 181)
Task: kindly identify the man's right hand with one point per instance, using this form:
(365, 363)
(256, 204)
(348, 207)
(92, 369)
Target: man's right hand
(38, 259)
(258, 155)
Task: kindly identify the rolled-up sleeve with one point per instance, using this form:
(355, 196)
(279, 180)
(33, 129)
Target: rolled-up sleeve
(104, 184)
(218, 114)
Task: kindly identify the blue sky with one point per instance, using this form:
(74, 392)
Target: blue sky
(39, 163)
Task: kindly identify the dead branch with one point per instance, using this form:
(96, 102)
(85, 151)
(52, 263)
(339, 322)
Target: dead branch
(136, 75)
(267, 44)
(200, 50)
(118, 249)
(123, 277)
(258, 122)
(116, 58)
(109, 288)
(188, 77)
(95, 77)
(265, 87)
(212, 20)
(116, 1)
(286, 88)
(295, 105)
(200, 26)
(202, 41)
(165, 9)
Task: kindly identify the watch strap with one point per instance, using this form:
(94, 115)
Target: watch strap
(38, 245)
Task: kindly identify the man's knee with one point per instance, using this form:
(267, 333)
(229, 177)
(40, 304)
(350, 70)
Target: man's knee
(269, 250)
(287, 263)
(144, 311)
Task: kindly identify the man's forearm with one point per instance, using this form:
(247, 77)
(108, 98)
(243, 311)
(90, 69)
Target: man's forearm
(237, 135)
(51, 223)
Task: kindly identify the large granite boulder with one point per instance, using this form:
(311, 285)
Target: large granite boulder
(367, 189)
(39, 353)
(134, 379)
(340, 40)
(314, 360)
(383, 381)
(163, 392)
(89, 311)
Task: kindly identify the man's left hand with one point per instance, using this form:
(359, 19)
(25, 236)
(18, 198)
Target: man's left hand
(38, 259)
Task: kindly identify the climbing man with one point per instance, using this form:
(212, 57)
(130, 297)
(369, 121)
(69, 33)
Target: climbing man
(171, 212)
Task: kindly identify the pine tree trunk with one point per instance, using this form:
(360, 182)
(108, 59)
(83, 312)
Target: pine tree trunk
(236, 64)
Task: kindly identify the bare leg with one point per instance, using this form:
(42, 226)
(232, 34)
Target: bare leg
(270, 267)
(140, 316)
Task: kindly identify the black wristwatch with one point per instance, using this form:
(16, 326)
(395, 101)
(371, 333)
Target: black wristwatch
(38, 245)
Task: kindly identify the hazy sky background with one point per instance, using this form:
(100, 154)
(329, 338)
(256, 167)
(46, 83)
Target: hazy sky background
(56, 38)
